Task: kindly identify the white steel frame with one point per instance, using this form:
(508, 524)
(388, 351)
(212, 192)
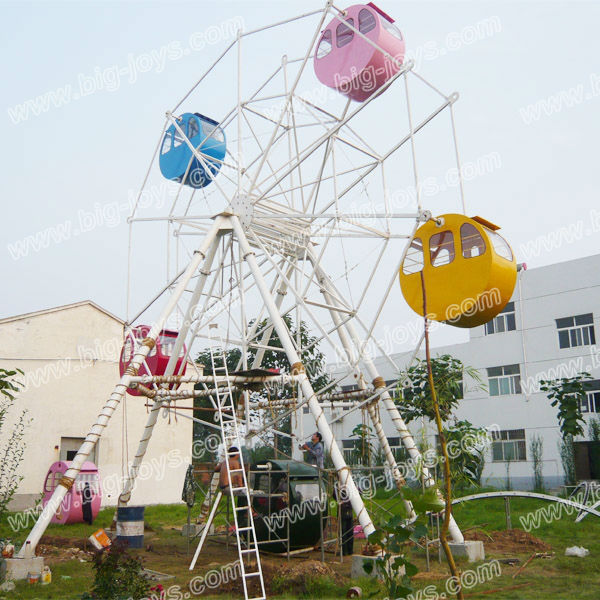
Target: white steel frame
(284, 195)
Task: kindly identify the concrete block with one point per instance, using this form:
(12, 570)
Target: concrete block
(358, 568)
(19, 568)
(472, 549)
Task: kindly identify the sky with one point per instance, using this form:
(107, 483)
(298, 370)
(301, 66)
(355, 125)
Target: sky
(527, 121)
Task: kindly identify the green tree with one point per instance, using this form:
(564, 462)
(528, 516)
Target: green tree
(364, 448)
(11, 452)
(467, 445)
(415, 399)
(566, 394)
(466, 442)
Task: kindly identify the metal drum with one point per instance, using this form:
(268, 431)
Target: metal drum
(130, 525)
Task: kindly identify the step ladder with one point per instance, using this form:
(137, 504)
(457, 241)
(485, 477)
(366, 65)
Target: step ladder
(245, 536)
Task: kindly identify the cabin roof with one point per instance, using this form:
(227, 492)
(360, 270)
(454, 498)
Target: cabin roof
(296, 468)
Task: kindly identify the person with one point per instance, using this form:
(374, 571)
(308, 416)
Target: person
(346, 520)
(315, 450)
(86, 504)
(234, 465)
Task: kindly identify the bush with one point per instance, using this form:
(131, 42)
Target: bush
(118, 575)
(11, 453)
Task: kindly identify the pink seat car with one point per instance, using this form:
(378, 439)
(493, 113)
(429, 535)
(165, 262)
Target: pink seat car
(348, 63)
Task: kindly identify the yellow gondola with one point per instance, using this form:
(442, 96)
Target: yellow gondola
(469, 270)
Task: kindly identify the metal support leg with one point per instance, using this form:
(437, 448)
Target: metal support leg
(125, 495)
(344, 475)
(403, 432)
(67, 481)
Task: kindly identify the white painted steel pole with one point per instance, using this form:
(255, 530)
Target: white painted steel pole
(344, 474)
(371, 408)
(125, 495)
(388, 402)
(68, 479)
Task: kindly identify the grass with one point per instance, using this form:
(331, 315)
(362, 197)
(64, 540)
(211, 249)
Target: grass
(557, 578)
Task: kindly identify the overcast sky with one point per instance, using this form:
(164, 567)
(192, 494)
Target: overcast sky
(528, 75)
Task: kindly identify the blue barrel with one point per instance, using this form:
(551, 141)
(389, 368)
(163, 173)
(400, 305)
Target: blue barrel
(130, 525)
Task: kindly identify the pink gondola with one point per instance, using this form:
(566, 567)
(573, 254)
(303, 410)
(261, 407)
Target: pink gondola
(348, 63)
(71, 509)
(158, 357)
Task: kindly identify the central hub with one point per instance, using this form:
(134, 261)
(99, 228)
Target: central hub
(241, 205)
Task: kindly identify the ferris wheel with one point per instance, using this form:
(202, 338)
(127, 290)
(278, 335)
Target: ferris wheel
(286, 159)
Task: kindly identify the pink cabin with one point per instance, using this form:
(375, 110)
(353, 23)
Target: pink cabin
(158, 357)
(72, 508)
(347, 62)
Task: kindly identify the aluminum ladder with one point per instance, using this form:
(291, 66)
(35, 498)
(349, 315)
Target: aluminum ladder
(247, 549)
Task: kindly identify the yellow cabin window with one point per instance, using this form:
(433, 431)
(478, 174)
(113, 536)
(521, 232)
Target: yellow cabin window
(471, 241)
(500, 246)
(441, 248)
(413, 263)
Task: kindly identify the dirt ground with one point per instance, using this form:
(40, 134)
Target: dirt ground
(508, 541)
(171, 556)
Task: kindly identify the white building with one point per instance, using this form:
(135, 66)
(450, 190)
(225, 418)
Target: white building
(69, 356)
(547, 331)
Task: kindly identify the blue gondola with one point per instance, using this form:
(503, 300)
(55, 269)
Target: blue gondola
(175, 154)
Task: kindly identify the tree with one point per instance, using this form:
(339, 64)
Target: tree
(364, 448)
(311, 356)
(567, 394)
(536, 447)
(11, 453)
(467, 445)
(467, 458)
(415, 401)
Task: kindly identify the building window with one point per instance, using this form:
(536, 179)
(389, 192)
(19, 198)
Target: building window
(398, 450)
(509, 445)
(591, 402)
(349, 447)
(348, 388)
(505, 380)
(69, 446)
(505, 321)
(576, 331)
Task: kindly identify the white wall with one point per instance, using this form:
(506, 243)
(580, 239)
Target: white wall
(70, 360)
(545, 294)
